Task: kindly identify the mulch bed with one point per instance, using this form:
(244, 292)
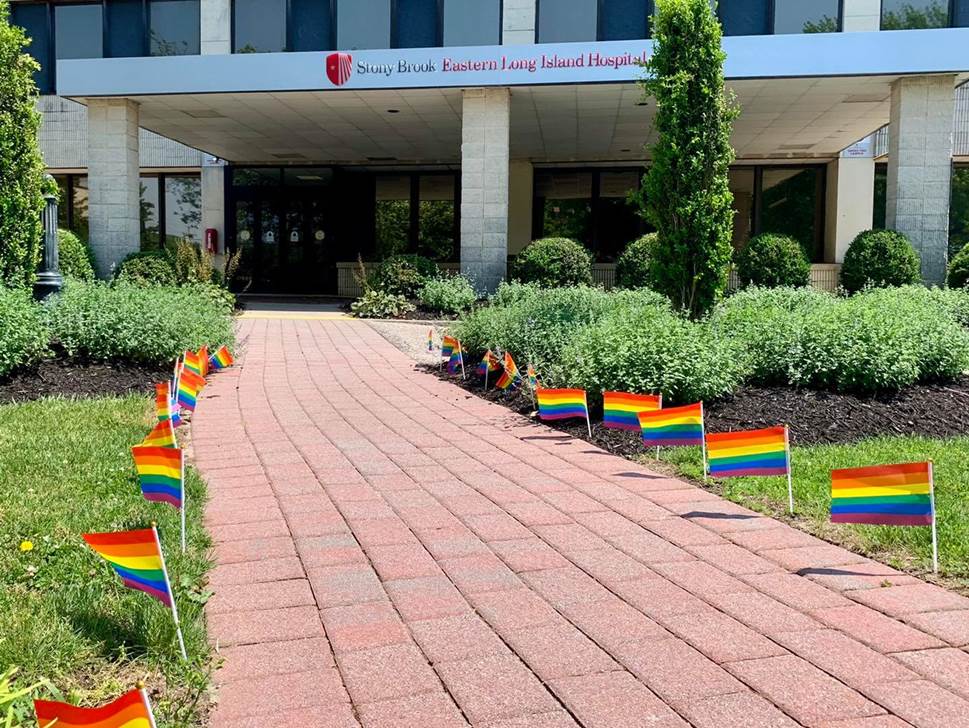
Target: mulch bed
(69, 378)
(932, 410)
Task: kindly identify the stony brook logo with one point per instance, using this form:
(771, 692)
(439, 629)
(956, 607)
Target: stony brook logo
(339, 67)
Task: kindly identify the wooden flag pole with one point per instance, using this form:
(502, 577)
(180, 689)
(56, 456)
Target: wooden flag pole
(147, 702)
(790, 478)
(588, 420)
(464, 374)
(935, 529)
(703, 447)
(171, 594)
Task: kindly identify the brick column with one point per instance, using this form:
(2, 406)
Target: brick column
(484, 185)
(213, 203)
(216, 27)
(113, 181)
(920, 167)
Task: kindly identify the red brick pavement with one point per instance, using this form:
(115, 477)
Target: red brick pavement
(394, 553)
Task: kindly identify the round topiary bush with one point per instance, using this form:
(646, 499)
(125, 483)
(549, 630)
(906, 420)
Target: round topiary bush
(554, 262)
(882, 259)
(153, 268)
(404, 275)
(75, 257)
(771, 260)
(632, 268)
(959, 269)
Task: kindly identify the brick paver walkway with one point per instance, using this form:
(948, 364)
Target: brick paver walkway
(393, 553)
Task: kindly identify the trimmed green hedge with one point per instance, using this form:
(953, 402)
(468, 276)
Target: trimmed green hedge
(773, 260)
(448, 294)
(632, 268)
(23, 333)
(959, 269)
(74, 255)
(554, 262)
(880, 259)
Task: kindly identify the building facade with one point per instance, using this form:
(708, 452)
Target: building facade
(311, 133)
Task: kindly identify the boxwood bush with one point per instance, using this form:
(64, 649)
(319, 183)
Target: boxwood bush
(151, 268)
(23, 333)
(98, 322)
(74, 256)
(959, 269)
(880, 259)
(448, 294)
(632, 268)
(554, 262)
(773, 260)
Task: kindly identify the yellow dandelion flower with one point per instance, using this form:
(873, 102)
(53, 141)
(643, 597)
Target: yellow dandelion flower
(26, 546)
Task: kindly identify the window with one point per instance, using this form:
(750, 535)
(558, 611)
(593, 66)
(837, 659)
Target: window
(150, 205)
(183, 208)
(472, 22)
(258, 26)
(881, 197)
(797, 16)
(311, 25)
(437, 234)
(624, 19)
(393, 214)
(745, 17)
(79, 198)
(78, 31)
(564, 21)
(363, 24)
(416, 24)
(174, 27)
(907, 14)
(742, 187)
(791, 203)
(35, 20)
(617, 221)
(959, 210)
(125, 36)
(564, 203)
(960, 14)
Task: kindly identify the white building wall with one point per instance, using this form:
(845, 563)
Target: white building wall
(850, 204)
(861, 15)
(518, 22)
(216, 27)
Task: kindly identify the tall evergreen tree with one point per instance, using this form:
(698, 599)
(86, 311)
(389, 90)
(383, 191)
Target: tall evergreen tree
(685, 193)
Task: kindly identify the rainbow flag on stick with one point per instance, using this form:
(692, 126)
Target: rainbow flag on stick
(674, 427)
(751, 453)
(162, 435)
(510, 378)
(136, 556)
(203, 355)
(563, 404)
(129, 711)
(189, 386)
(165, 406)
(448, 345)
(221, 359)
(620, 410)
(887, 495)
(430, 340)
(192, 363)
(489, 365)
(161, 473)
(455, 364)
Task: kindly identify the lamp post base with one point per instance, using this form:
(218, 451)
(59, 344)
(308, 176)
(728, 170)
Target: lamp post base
(47, 283)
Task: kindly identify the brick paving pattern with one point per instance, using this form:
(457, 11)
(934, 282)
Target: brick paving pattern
(394, 553)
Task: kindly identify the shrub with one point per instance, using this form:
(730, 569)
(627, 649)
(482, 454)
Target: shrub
(955, 302)
(191, 263)
(146, 325)
(153, 268)
(554, 262)
(449, 294)
(404, 275)
(632, 268)
(74, 256)
(511, 292)
(23, 334)
(959, 269)
(882, 259)
(380, 304)
(773, 260)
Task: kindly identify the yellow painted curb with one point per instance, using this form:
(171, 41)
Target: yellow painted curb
(286, 316)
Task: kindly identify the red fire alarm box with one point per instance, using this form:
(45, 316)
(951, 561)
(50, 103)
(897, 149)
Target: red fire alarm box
(212, 240)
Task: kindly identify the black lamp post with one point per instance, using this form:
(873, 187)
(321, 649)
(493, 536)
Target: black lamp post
(49, 278)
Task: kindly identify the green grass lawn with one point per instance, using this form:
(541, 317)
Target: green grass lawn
(908, 548)
(65, 469)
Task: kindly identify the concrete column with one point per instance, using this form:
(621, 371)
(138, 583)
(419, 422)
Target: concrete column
(216, 27)
(521, 198)
(484, 185)
(920, 167)
(213, 203)
(850, 205)
(518, 22)
(862, 15)
(113, 181)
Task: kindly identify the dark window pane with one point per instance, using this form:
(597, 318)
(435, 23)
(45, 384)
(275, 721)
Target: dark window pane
(175, 27)
(905, 14)
(150, 228)
(435, 237)
(624, 19)
(959, 212)
(363, 24)
(565, 200)
(881, 196)
(960, 14)
(183, 208)
(33, 19)
(393, 215)
(790, 205)
(745, 17)
(472, 22)
(79, 212)
(617, 221)
(312, 25)
(307, 176)
(256, 176)
(417, 22)
(126, 28)
(742, 187)
(797, 16)
(259, 26)
(564, 21)
(63, 184)
(78, 31)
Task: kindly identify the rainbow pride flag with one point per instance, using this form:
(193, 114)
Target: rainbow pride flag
(203, 355)
(129, 711)
(455, 365)
(163, 401)
(221, 359)
(673, 427)
(192, 363)
(161, 473)
(749, 453)
(533, 382)
(136, 557)
(620, 410)
(562, 404)
(448, 345)
(489, 364)
(430, 340)
(510, 378)
(189, 386)
(884, 495)
(162, 435)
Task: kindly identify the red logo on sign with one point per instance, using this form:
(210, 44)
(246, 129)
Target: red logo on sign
(339, 66)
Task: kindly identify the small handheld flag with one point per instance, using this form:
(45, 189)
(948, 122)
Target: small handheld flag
(129, 711)
(163, 401)
(221, 359)
(430, 340)
(192, 363)
(455, 365)
(563, 404)
(620, 410)
(203, 355)
(136, 556)
(510, 378)
(751, 453)
(448, 345)
(161, 473)
(162, 435)
(489, 365)
(674, 427)
(533, 382)
(887, 495)
(189, 386)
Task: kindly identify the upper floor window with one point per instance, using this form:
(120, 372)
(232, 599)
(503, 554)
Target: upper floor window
(472, 22)
(566, 21)
(259, 26)
(34, 18)
(363, 24)
(78, 31)
(766, 17)
(624, 19)
(960, 14)
(418, 24)
(909, 14)
(174, 27)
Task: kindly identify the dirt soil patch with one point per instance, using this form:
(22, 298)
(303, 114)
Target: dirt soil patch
(69, 378)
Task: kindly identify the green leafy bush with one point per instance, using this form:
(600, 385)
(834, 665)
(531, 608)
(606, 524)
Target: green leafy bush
(23, 334)
(632, 268)
(403, 275)
(511, 292)
(955, 302)
(448, 294)
(959, 269)
(554, 262)
(380, 304)
(881, 259)
(153, 268)
(773, 260)
(99, 322)
(74, 256)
